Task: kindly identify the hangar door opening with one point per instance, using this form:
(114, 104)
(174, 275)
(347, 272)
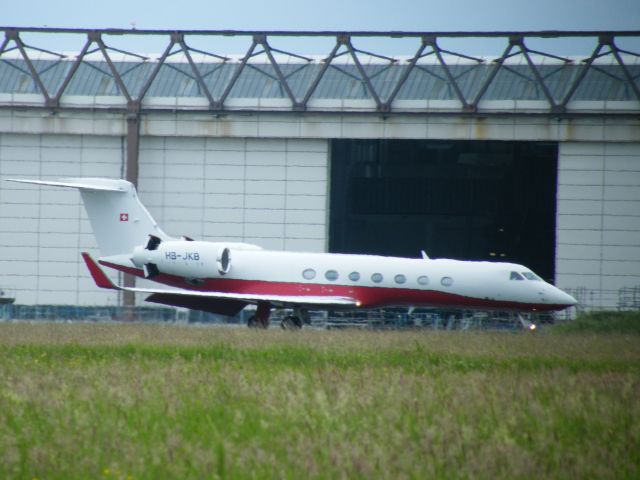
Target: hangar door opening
(470, 200)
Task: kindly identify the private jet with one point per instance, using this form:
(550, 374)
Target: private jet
(225, 277)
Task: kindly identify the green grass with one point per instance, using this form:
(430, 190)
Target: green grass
(149, 401)
(602, 322)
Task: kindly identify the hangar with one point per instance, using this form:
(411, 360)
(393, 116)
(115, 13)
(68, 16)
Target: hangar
(530, 155)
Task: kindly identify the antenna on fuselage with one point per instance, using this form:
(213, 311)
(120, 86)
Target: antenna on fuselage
(424, 255)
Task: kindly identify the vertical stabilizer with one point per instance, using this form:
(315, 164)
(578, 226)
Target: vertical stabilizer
(119, 220)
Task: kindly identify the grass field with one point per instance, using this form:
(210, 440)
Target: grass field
(151, 401)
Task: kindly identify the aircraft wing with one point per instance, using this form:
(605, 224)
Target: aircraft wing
(103, 281)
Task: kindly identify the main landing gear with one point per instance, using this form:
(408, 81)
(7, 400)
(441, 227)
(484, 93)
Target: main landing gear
(295, 320)
(292, 321)
(261, 318)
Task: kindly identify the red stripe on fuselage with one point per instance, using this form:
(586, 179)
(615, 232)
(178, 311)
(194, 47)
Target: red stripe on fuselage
(369, 297)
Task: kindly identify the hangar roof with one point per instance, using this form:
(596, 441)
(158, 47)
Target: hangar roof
(433, 79)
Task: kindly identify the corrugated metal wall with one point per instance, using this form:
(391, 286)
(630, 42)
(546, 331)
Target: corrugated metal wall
(43, 229)
(272, 192)
(598, 224)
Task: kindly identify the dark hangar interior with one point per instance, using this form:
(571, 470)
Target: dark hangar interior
(471, 200)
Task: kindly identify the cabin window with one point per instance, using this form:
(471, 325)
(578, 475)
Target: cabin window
(309, 274)
(516, 276)
(530, 276)
(331, 275)
(376, 277)
(446, 281)
(423, 280)
(354, 276)
(400, 278)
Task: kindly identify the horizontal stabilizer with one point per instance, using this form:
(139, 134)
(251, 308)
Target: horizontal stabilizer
(97, 273)
(98, 184)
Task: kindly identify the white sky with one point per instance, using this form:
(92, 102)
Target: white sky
(418, 15)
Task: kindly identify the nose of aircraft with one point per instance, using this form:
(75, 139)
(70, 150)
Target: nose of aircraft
(558, 297)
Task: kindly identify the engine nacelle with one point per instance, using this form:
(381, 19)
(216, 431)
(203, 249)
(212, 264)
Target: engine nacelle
(189, 259)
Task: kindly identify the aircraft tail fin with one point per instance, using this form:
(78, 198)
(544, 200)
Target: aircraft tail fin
(119, 220)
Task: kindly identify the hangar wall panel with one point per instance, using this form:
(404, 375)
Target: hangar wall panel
(43, 229)
(271, 192)
(598, 220)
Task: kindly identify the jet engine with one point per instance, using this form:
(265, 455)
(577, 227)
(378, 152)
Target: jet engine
(186, 258)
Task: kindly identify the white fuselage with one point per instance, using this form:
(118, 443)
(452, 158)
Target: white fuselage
(372, 280)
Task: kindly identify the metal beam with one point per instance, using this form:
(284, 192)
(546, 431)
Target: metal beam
(131, 175)
(335, 33)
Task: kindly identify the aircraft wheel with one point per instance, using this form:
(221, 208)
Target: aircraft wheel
(291, 322)
(253, 322)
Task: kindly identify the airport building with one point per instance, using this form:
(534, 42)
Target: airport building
(529, 155)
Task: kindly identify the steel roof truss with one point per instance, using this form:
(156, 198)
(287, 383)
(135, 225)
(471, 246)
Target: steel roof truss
(5, 42)
(316, 81)
(281, 79)
(196, 72)
(363, 74)
(15, 36)
(295, 55)
(300, 68)
(405, 75)
(379, 72)
(161, 61)
(16, 67)
(141, 57)
(581, 75)
(616, 53)
(450, 77)
(212, 71)
(468, 57)
(214, 55)
(129, 70)
(103, 48)
(181, 72)
(345, 72)
(366, 78)
(492, 75)
(236, 74)
(55, 102)
(262, 72)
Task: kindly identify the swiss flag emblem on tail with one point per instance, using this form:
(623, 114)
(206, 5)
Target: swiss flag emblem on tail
(124, 217)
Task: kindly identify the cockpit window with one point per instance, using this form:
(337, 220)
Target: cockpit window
(530, 276)
(516, 276)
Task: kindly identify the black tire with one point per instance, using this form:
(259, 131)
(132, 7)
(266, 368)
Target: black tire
(253, 322)
(291, 322)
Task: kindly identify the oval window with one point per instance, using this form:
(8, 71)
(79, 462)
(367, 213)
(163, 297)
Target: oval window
(376, 277)
(354, 276)
(423, 280)
(446, 281)
(331, 275)
(309, 274)
(400, 278)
